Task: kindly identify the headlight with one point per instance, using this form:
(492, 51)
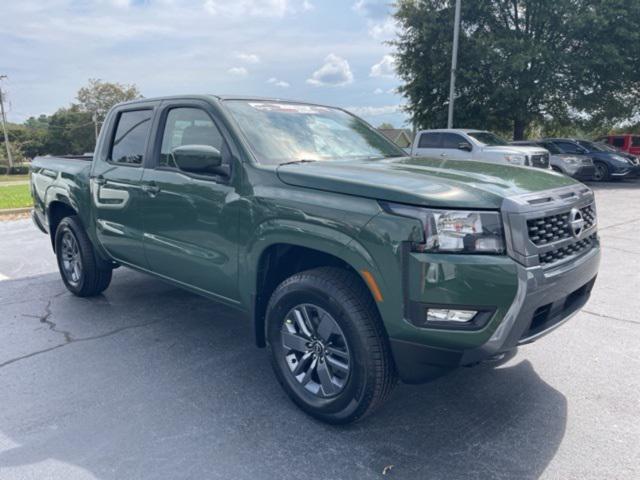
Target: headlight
(457, 231)
(516, 159)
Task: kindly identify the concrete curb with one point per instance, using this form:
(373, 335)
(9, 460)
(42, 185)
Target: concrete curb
(13, 211)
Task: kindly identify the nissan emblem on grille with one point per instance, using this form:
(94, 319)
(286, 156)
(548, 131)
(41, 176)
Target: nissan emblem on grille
(576, 221)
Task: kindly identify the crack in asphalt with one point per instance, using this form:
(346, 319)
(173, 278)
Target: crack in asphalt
(68, 338)
(608, 317)
(619, 224)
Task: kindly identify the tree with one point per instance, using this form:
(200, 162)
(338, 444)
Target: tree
(98, 97)
(386, 126)
(521, 61)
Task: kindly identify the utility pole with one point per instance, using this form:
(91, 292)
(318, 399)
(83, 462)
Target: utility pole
(454, 64)
(4, 128)
(95, 124)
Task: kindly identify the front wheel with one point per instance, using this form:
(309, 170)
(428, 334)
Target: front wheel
(80, 272)
(602, 173)
(327, 344)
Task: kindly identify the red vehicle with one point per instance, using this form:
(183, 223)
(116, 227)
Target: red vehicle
(626, 142)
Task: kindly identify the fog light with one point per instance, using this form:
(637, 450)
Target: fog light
(447, 315)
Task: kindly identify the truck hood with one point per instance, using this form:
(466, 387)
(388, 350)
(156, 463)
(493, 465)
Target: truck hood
(423, 180)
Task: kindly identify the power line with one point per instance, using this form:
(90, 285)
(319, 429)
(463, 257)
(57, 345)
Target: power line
(4, 128)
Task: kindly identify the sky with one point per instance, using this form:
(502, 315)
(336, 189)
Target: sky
(326, 51)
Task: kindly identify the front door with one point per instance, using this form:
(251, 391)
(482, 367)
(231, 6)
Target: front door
(189, 211)
(115, 186)
(450, 144)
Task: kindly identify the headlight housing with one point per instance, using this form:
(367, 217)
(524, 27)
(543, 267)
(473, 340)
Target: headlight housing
(454, 231)
(516, 159)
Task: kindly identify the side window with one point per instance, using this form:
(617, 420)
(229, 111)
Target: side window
(130, 137)
(186, 126)
(568, 147)
(429, 140)
(617, 142)
(635, 141)
(452, 140)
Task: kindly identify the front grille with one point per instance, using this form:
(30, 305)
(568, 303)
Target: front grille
(561, 253)
(549, 229)
(541, 161)
(589, 215)
(545, 230)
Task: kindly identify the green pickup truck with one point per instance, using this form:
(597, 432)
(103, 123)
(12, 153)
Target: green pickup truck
(355, 264)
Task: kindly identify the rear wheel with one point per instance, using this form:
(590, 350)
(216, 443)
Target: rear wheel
(601, 173)
(328, 348)
(80, 271)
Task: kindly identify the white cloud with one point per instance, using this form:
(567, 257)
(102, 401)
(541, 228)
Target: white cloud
(378, 91)
(257, 8)
(307, 6)
(372, 8)
(385, 30)
(384, 68)
(238, 71)
(278, 83)
(370, 111)
(335, 72)
(248, 57)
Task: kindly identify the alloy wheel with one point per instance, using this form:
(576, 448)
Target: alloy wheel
(316, 350)
(71, 259)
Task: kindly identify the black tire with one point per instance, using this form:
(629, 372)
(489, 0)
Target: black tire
(90, 278)
(601, 173)
(342, 295)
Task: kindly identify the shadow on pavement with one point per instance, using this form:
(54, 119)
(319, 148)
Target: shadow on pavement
(153, 382)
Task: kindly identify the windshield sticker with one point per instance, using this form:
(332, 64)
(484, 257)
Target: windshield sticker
(289, 108)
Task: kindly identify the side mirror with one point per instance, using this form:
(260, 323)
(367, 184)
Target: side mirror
(464, 146)
(199, 159)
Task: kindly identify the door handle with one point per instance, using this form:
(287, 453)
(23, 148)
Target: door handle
(443, 155)
(151, 189)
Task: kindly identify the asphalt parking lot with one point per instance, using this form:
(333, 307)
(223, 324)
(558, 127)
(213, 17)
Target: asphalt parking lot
(148, 381)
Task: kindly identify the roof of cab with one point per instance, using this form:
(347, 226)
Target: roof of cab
(220, 97)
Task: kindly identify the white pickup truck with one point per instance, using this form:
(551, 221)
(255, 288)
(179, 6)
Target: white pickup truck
(478, 145)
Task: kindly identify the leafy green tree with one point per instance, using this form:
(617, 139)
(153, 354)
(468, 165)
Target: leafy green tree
(99, 96)
(521, 62)
(386, 126)
(70, 131)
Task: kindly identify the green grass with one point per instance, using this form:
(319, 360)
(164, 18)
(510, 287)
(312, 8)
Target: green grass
(14, 178)
(15, 196)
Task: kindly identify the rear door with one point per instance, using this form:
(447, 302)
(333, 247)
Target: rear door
(115, 183)
(190, 214)
(428, 145)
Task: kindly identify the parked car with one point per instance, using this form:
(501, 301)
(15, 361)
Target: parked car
(353, 263)
(609, 164)
(625, 142)
(478, 145)
(575, 165)
(611, 148)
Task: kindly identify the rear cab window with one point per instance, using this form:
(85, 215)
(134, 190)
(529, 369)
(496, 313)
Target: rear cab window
(635, 141)
(429, 140)
(130, 137)
(617, 142)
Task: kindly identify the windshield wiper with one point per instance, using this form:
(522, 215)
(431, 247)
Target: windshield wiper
(291, 162)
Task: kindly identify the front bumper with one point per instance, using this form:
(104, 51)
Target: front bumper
(544, 300)
(583, 173)
(627, 171)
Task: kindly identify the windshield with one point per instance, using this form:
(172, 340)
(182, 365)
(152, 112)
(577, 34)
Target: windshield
(592, 147)
(280, 132)
(488, 138)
